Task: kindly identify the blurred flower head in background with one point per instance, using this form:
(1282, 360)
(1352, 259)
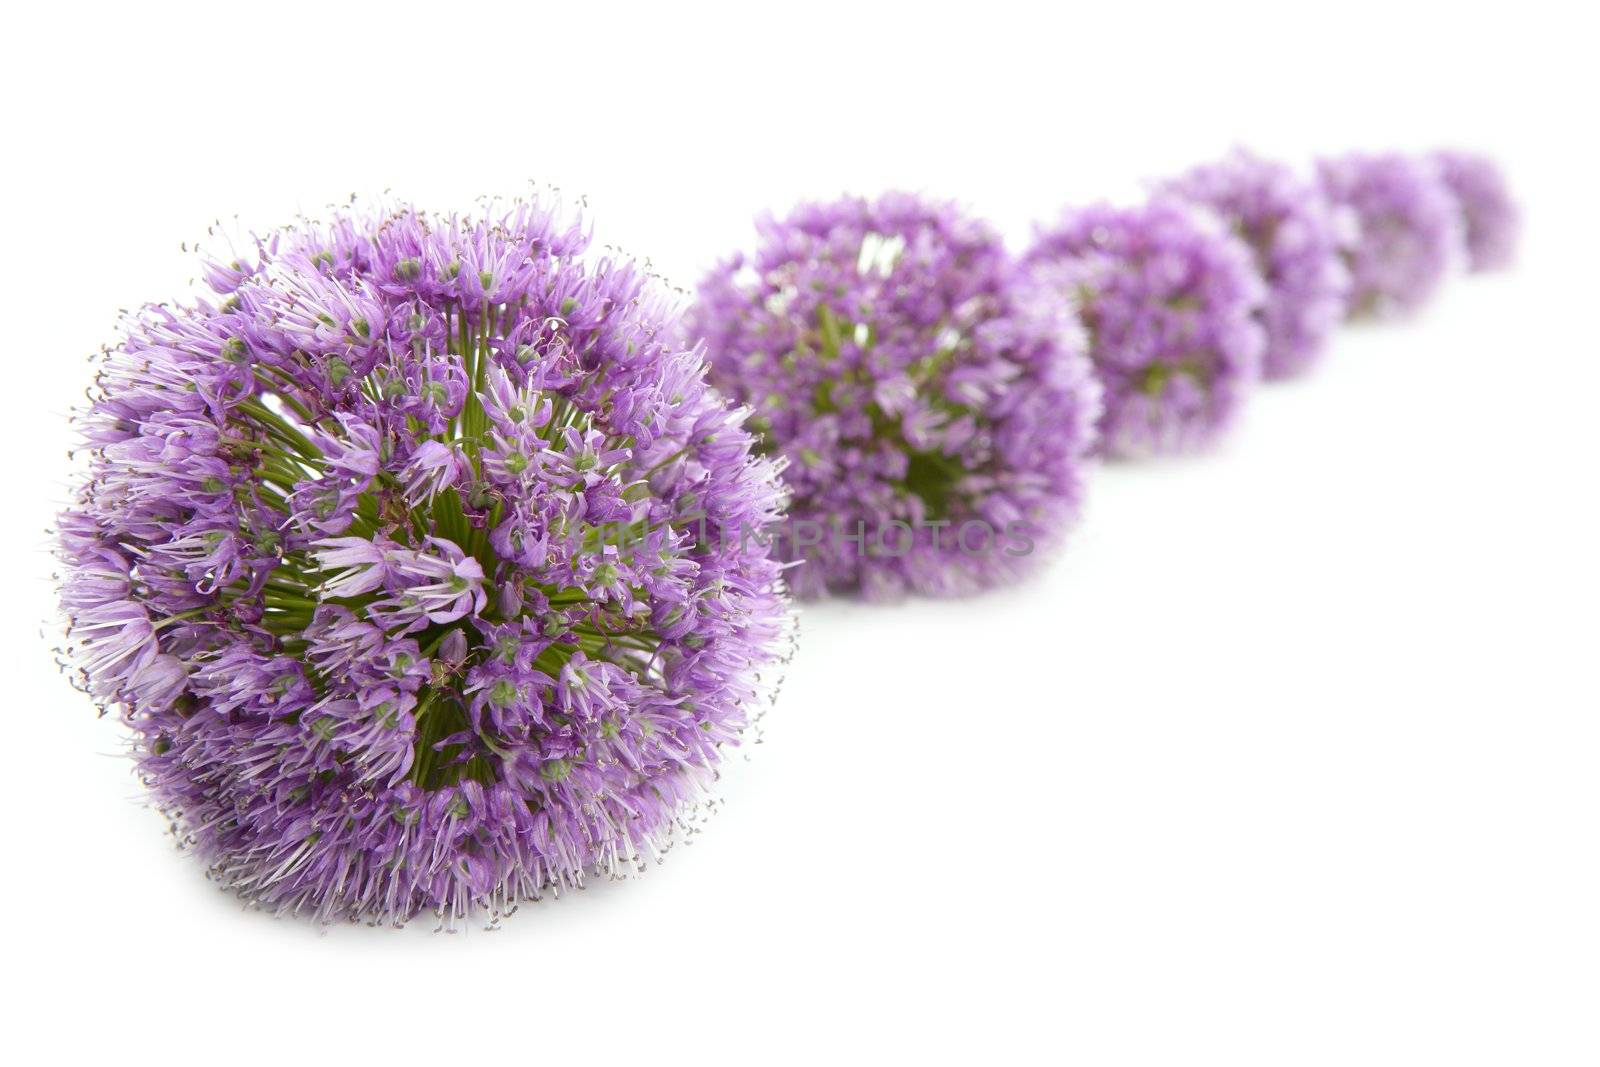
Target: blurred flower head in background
(1490, 216)
(1408, 229)
(933, 417)
(1170, 300)
(1295, 239)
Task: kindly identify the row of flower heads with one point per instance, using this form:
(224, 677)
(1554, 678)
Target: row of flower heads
(419, 557)
(917, 378)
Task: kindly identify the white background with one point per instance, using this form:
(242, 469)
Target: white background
(1290, 758)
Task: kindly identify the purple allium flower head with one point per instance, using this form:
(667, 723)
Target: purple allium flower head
(1489, 214)
(933, 420)
(1170, 300)
(1295, 239)
(403, 559)
(1407, 229)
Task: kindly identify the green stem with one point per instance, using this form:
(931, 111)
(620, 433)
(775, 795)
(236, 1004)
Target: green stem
(275, 422)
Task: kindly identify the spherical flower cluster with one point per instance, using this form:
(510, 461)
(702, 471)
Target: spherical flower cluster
(1488, 213)
(1407, 230)
(1293, 234)
(933, 421)
(402, 557)
(1170, 300)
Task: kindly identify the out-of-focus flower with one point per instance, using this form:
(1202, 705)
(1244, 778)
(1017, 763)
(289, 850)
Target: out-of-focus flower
(1407, 230)
(1295, 239)
(933, 418)
(1489, 214)
(1170, 300)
